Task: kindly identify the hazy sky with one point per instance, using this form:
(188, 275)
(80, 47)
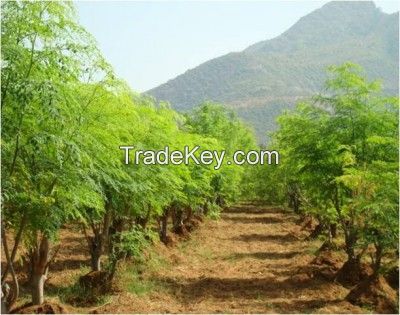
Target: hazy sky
(149, 43)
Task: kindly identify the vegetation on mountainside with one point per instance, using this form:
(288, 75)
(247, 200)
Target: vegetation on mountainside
(256, 81)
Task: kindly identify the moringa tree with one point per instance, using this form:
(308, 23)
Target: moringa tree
(47, 58)
(342, 151)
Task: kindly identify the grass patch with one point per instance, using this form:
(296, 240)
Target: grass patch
(188, 244)
(139, 286)
(206, 253)
(368, 309)
(76, 295)
(155, 263)
(233, 257)
(137, 279)
(313, 247)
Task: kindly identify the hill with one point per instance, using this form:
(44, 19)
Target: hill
(273, 75)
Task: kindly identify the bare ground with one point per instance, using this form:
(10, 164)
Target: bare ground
(252, 260)
(247, 262)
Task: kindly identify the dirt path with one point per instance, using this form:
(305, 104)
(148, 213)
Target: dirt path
(247, 262)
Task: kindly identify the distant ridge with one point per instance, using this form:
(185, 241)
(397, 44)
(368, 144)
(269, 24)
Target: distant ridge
(273, 75)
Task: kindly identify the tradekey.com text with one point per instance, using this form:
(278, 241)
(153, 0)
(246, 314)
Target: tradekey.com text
(195, 155)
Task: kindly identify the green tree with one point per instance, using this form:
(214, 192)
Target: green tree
(46, 59)
(341, 150)
(222, 124)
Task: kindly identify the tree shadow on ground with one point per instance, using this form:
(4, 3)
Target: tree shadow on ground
(77, 245)
(252, 210)
(264, 255)
(69, 264)
(302, 306)
(194, 290)
(286, 238)
(253, 220)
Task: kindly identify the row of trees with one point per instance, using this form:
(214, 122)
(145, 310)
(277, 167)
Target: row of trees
(64, 117)
(339, 156)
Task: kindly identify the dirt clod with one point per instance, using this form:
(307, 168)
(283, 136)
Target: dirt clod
(377, 293)
(392, 277)
(301, 278)
(193, 223)
(327, 258)
(325, 265)
(181, 230)
(327, 246)
(170, 240)
(95, 281)
(45, 308)
(308, 223)
(353, 272)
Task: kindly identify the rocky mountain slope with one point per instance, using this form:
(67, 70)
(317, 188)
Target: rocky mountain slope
(273, 75)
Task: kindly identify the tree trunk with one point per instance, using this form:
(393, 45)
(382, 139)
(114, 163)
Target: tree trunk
(333, 230)
(95, 260)
(294, 197)
(189, 214)
(296, 204)
(114, 256)
(350, 273)
(8, 297)
(143, 221)
(38, 288)
(95, 243)
(219, 201)
(317, 231)
(163, 228)
(205, 208)
(291, 200)
(10, 261)
(114, 236)
(40, 262)
(350, 239)
(177, 221)
(4, 308)
(378, 259)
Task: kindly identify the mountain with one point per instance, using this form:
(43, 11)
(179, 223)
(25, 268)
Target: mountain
(272, 75)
